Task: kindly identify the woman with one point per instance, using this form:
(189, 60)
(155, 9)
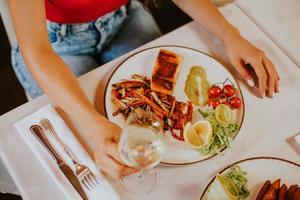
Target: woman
(78, 38)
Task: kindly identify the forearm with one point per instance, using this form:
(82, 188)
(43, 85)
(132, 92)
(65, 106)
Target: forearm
(207, 14)
(63, 89)
(52, 74)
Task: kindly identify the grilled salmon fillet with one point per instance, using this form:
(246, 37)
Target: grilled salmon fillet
(165, 71)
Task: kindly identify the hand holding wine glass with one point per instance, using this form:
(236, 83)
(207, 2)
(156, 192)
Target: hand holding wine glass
(142, 148)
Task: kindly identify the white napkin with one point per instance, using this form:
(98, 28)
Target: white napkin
(103, 191)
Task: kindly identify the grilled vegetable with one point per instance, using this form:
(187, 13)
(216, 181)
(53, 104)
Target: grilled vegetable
(139, 104)
(128, 84)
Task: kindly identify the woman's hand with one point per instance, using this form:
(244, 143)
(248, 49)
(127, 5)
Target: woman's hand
(104, 138)
(242, 53)
(239, 50)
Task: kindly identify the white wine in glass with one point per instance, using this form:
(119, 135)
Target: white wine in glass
(142, 148)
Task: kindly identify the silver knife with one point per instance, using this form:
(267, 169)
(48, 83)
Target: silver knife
(38, 133)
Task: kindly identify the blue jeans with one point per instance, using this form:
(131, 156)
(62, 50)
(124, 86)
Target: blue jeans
(85, 46)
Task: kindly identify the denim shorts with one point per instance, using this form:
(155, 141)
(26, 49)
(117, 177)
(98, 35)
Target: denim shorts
(85, 46)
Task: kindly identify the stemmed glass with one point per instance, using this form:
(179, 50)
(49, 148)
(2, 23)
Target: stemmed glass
(141, 148)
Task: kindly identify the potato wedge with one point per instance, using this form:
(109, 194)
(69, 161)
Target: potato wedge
(296, 195)
(263, 190)
(282, 192)
(276, 184)
(271, 194)
(290, 192)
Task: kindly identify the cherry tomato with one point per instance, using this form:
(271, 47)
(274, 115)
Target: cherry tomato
(214, 91)
(225, 102)
(213, 102)
(229, 91)
(235, 102)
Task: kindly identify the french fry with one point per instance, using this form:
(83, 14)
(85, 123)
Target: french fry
(282, 192)
(159, 111)
(271, 194)
(290, 192)
(263, 190)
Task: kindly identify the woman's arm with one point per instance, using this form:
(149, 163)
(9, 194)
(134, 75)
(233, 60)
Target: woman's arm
(58, 82)
(239, 50)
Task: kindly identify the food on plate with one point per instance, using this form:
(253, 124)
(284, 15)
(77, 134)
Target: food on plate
(197, 135)
(231, 185)
(238, 177)
(263, 190)
(148, 101)
(223, 189)
(229, 90)
(235, 102)
(214, 91)
(271, 193)
(222, 133)
(196, 86)
(291, 191)
(297, 194)
(165, 72)
(139, 104)
(213, 102)
(224, 93)
(223, 114)
(276, 192)
(282, 192)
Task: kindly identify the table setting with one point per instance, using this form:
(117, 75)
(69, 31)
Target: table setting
(47, 135)
(206, 135)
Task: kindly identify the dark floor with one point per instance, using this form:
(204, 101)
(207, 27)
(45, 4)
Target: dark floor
(11, 92)
(9, 197)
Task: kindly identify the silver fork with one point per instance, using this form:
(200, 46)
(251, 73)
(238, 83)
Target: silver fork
(83, 173)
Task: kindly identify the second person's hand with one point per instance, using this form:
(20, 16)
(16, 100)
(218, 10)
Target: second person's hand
(241, 52)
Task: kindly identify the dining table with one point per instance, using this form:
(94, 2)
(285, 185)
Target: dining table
(280, 20)
(268, 128)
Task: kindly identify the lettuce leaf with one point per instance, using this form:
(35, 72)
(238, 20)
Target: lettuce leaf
(222, 134)
(238, 177)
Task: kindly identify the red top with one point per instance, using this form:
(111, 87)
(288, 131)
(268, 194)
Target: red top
(77, 11)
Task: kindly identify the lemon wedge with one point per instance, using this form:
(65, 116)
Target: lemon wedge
(223, 114)
(223, 189)
(198, 134)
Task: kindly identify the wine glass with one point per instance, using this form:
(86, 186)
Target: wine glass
(142, 148)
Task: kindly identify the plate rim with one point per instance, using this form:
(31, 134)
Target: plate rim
(245, 160)
(189, 48)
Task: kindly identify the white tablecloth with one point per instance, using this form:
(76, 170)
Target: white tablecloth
(267, 126)
(279, 19)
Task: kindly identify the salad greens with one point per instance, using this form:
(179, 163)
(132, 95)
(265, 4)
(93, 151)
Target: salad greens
(238, 177)
(222, 133)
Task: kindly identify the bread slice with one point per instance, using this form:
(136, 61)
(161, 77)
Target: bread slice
(165, 71)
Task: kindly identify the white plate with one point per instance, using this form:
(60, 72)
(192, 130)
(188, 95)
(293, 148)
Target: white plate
(260, 169)
(177, 153)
